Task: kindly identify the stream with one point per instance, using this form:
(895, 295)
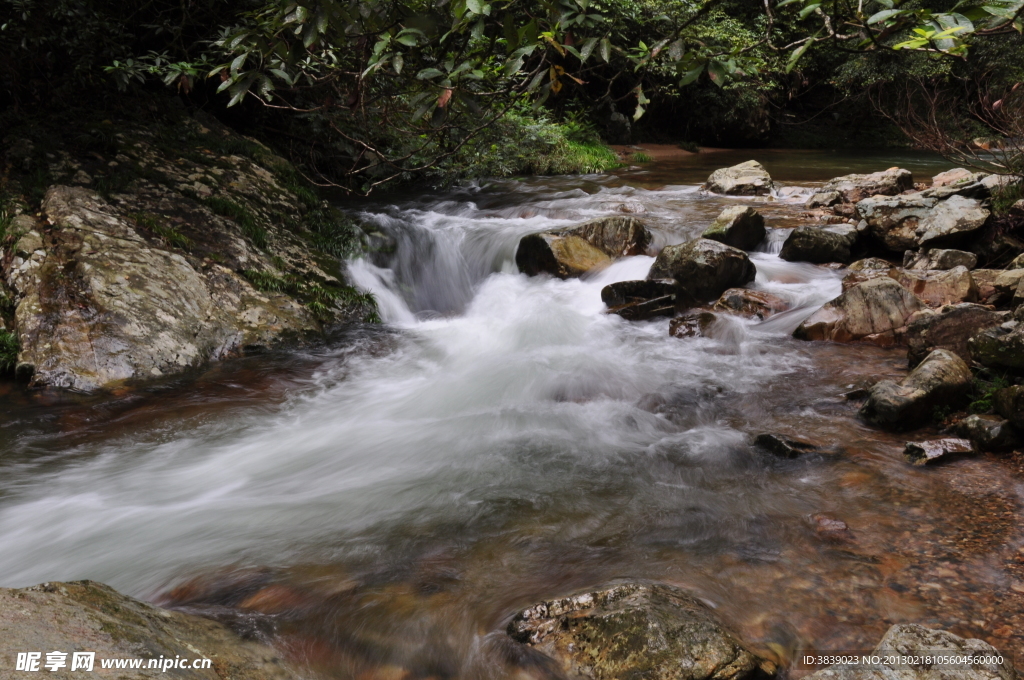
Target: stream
(385, 503)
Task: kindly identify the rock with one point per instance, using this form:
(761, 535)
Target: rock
(739, 226)
(626, 292)
(573, 251)
(646, 309)
(931, 451)
(870, 263)
(894, 220)
(1017, 262)
(105, 306)
(1009, 403)
(950, 327)
(634, 630)
(912, 640)
(988, 433)
(937, 288)
(875, 311)
(854, 188)
(704, 269)
(85, 616)
(745, 179)
(999, 346)
(695, 325)
(956, 176)
(750, 303)
(783, 447)
(820, 244)
(831, 529)
(936, 258)
(951, 221)
(942, 379)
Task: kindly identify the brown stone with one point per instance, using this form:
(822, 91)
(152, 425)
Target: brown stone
(874, 311)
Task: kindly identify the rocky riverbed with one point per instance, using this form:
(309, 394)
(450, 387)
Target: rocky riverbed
(794, 433)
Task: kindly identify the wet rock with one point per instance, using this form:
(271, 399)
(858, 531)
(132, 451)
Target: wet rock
(88, 616)
(875, 311)
(937, 288)
(745, 179)
(573, 251)
(750, 303)
(854, 188)
(935, 450)
(695, 325)
(831, 529)
(704, 269)
(634, 630)
(105, 306)
(783, 447)
(739, 226)
(1000, 346)
(820, 244)
(628, 292)
(1009, 403)
(988, 432)
(870, 263)
(646, 309)
(894, 220)
(942, 379)
(913, 640)
(950, 327)
(937, 258)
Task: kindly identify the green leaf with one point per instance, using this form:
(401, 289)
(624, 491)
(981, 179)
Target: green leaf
(691, 76)
(639, 112)
(428, 73)
(606, 50)
(407, 40)
(785, 2)
(797, 53)
(238, 61)
(883, 15)
(588, 49)
(475, 6)
(807, 11)
(717, 72)
(397, 63)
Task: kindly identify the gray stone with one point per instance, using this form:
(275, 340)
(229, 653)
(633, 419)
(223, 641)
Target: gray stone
(745, 179)
(1009, 403)
(937, 258)
(950, 327)
(84, 616)
(573, 251)
(704, 269)
(871, 264)
(854, 188)
(739, 226)
(942, 379)
(999, 346)
(875, 311)
(988, 432)
(820, 244)
(935, 450)
(913, 640)
(951, 221)
(894, 220)
(956, 176)
(635, 630)
(938, 287)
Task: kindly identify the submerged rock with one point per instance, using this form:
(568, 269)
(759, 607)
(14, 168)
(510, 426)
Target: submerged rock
(89, 616)
(988, 433)
(104, 305)
(750, 303)
(950, 327)
(635, 630)
(695, 325)
(942, 379)
(937, 258)
(819, 245)
(745, 179)
(934, 450)
(739, 226)
(782, 446)
(853, 188)
(874, 311)
(704, 269)
(573, 251)
(915, 643)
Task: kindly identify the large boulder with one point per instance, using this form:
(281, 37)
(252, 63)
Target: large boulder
(950, 327)
(875, 311)
(908, 650)
(937, 258)
(942, 379)
(739, 226)
(100, 305)
(704, 269)
(635, 630)
(999, 346)
(909, 221)
(85, 616)
(745, 179)
(988, 432)
(940, 287)
(841, 193)
(820, 244)
(573, 251)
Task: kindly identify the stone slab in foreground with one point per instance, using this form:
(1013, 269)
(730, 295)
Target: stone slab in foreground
(85, 616)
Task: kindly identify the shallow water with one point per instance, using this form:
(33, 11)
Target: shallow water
(389, 501)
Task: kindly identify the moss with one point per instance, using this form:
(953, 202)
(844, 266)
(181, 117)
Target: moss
(332, 232)
(9, 348)
(269, 283)
(322, 298)
(640, 157)
(692, 147)
(983, 391)
(169, 235)
(241, 216)
(1006, 196)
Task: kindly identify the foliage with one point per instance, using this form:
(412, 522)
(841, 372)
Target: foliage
(982, 391)
(640, 157)
(241, 216)
(9, 348)
(321, 298)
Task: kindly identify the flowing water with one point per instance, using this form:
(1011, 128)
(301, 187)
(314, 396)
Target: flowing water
(383, 505)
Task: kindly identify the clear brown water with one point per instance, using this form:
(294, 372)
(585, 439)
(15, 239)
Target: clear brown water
(382, 505)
